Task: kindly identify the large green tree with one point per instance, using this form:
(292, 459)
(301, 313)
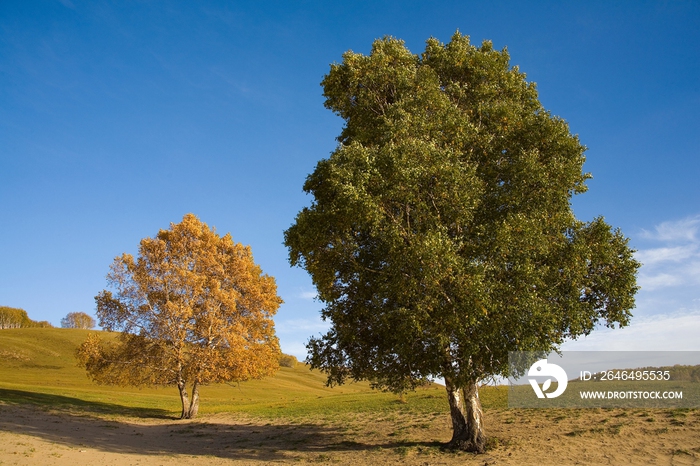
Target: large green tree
(441, 235)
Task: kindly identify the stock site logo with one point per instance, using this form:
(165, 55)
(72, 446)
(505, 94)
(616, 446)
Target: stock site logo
(544, 369)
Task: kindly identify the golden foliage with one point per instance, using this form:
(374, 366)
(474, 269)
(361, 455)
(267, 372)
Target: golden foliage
(287, 360)
(193, 308)
(11, 317)
(77, 320)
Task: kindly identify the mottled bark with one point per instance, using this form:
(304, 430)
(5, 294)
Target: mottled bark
(190, 406)
(194, 403)
(467, 417)
(185, 399)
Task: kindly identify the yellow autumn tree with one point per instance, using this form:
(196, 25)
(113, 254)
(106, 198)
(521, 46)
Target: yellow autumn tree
(193, 308)
(78, 320)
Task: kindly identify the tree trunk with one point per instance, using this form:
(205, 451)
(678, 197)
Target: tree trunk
(185, 399)
(467, 417)
(190, 407)
(194, 404)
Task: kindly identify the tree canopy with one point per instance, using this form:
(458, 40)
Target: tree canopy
(78, 320)
(441, 235)
(193, 308)
(13, 317)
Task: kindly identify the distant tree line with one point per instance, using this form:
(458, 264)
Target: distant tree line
(677, 373)
(11, 317)
(685, 373)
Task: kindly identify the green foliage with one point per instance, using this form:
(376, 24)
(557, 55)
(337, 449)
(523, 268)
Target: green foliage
(441, 235)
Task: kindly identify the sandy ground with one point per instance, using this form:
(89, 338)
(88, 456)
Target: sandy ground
(30, 435)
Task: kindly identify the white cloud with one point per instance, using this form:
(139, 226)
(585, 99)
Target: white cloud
(675, 332)
(669, 279)
(672, 231)
(662, 280)
(675, 254)
(693, 269)
(677, 261)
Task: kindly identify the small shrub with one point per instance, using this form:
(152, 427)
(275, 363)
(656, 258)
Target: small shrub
(287, 360)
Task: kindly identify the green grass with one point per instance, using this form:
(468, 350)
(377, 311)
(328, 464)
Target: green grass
(37, 366)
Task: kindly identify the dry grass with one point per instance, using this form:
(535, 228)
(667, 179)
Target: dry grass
(51, 414)
(29, 435)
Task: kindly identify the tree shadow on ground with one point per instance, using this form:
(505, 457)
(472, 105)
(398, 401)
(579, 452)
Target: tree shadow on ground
(223, 436)
(67, 403)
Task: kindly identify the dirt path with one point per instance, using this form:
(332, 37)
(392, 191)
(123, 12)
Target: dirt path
(33, 436)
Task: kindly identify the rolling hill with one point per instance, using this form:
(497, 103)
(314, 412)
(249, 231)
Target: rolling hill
(37, 366)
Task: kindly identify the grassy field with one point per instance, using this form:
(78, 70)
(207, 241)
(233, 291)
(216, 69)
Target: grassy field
(51, 413)
(38, 367)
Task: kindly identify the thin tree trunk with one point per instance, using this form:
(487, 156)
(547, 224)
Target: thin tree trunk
(467, 417)
(194, 404)
(182, 387)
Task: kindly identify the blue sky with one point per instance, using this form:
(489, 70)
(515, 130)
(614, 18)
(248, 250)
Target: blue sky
(117, 118)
